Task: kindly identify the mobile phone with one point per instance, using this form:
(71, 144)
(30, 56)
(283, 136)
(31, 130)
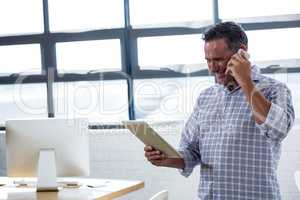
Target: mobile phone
(231, 82)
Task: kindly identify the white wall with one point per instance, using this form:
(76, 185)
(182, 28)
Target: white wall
(118, 154)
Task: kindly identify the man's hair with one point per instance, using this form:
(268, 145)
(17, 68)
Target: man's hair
(233, 34)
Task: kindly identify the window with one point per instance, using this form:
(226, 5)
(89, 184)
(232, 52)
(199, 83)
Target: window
(69, 15)
(145, 12)
(104, 55)
(158, 99)
(155, 52)
(236, 9)
(24, 59)
(274, 44)
(17, 101)
(163, 41)
(21, 17)
(100, 101)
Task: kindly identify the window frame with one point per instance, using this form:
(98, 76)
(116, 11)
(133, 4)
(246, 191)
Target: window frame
(128, 37)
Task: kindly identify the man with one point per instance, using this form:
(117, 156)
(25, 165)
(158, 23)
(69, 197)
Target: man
(233, 133)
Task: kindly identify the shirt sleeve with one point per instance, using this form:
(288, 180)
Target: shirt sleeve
(189, 143)
(281, 115)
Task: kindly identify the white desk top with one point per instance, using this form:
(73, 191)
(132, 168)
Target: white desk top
(100, 189)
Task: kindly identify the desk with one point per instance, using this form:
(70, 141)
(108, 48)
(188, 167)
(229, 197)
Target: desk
(104, 189)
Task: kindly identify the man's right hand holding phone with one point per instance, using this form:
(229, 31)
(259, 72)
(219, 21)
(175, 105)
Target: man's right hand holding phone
(158, 158)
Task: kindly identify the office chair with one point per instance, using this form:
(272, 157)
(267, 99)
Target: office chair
(297, 179)
(162, 195)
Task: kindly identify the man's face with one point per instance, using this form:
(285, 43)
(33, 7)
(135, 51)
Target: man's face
(217, 55)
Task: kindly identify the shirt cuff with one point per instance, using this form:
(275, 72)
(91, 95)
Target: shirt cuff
(273, 120)
(189, 163)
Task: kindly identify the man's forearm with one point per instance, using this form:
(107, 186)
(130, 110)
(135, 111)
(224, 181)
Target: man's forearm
(259, 104)
(173, 163)
(178, 163)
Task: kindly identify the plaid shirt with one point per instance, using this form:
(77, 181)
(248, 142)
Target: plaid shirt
(238, 158)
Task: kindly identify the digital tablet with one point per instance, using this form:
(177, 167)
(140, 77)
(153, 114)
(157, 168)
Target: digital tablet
(150, 137)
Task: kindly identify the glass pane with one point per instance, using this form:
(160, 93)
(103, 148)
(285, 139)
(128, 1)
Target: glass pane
(169, 11)
(100, 101)
(19, 17)
(17, 101)
(236, 9)
(168, 50)
(89, 55)
(20, 59)
(68, 15)
(262, 44)
(171, 98)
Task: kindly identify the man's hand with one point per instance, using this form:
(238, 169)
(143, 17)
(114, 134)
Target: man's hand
(158, 158)
(240, 68)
